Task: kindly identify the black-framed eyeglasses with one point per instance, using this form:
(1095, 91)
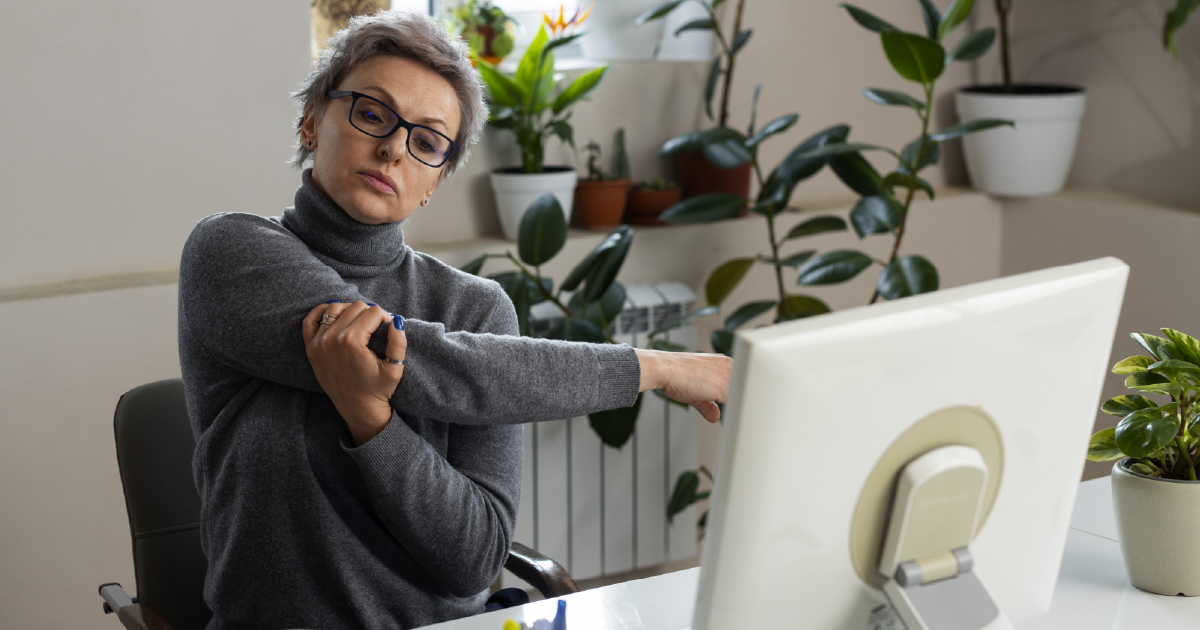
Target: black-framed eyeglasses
(374, 118)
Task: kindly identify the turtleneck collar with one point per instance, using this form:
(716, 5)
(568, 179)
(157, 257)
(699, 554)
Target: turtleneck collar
(327, 229)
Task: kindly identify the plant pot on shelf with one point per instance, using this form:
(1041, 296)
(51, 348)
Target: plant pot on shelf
(515, 190)
(1158, 522)
(600, 204)
(645, 204)
(698, 176)
(1033, 158)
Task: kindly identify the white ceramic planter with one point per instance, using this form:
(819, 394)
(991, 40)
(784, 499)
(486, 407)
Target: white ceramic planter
(515, 191)
(1158, 523)
(1034, 158)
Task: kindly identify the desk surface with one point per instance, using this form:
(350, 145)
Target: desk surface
(1092, 593)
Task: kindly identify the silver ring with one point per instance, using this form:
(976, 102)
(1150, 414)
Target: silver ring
(327, 319)
(393, 361)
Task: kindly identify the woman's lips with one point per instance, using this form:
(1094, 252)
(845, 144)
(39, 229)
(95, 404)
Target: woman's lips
(381, 182)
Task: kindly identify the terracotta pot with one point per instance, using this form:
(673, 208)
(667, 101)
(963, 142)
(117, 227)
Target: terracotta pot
(645, 205)
(1158, 522)
(600, 204)
(698, 176)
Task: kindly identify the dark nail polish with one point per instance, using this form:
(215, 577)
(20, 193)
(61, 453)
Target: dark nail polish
(370, 304)
(333, 302)
(398, 322)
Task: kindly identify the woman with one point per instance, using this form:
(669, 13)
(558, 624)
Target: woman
(340, 489)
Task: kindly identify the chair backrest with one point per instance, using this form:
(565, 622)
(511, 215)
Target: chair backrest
(154, 452)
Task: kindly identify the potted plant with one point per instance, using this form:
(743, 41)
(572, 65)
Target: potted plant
(1157, 450)
(703, 171)
(589, 298)
(486, 28)
(883, 207)
(600, 199)
(649, 199)
(1175, 20)
(528, 104)
(1034, 157)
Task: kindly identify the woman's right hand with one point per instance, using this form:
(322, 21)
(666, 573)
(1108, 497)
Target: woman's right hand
(700, 380)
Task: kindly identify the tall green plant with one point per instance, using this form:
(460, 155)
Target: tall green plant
(527, 102)
(589, 297)
(722, 62)
(1175, 20)
(885, 199)
(1164, 439)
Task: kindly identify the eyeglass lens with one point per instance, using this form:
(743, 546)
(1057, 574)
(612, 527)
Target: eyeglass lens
(376, 119)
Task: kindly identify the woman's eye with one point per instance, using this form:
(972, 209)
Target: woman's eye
(369, 116)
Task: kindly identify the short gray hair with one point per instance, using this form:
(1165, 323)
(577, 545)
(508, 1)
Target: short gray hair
(406, 34)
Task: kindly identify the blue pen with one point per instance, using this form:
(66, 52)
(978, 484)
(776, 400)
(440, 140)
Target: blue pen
(560, 618)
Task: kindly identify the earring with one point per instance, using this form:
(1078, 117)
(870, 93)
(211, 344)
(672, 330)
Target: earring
(425, 201)
(310, 143)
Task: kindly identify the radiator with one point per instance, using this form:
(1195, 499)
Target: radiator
(601, 511)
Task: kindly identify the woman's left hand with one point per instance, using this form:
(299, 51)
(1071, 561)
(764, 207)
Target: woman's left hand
(359, 383)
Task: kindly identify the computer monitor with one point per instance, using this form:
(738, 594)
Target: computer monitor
(823, 412)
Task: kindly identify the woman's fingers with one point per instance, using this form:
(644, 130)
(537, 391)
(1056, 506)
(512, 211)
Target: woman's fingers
(709, 410)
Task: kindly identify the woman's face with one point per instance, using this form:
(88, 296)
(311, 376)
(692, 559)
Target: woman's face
(376, 180)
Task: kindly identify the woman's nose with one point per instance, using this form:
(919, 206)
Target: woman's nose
(394, 147)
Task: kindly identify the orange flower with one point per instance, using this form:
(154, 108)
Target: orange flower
(560, 25)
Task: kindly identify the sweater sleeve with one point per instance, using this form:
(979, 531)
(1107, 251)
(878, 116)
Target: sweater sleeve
(455, 515)
(246, 284)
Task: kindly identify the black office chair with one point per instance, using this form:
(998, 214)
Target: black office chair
(154, 453)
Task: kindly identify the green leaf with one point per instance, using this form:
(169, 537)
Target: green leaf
(710, 86)
(867, 20)
(817, 225)
(727, 154)
(856, 172)
(475, 266)
(838, 149)
(657, 12)
(753, 112)
(700, 312)
(1186, 346)
(891, 97)
(833, 267)
(589, 262)
(527, 71)
(875, 214)
(723, 279)
(973, 46)
(697, 140)
(798, 166)
(933, 18)
(563, 130)
(904, 180)
(605, 273)
(523, 294)
(1150, 382)
(801, 306)
(795, 260)
(1174, 369)
(908, 156)
(622, 155)
(1125, 405)
(702, 24)
(602, 312)
(1175, 19)
(1132, 364)
(970, 127)
(1103, 447)
(503, 89)
(579, 88)
(747, 312)
(616, 426)
(779, 125)
(705, 209)
(914, 57)
(722, 342)
(577, 329)
(1142, 432)
(958, 11)
(740, 40)
(1151, 343)
(684, 495)
(907, 275)
(543, 231)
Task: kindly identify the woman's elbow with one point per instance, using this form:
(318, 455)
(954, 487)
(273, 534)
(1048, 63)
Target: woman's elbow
(475, 572)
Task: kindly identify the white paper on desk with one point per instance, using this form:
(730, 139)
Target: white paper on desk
(609, 608)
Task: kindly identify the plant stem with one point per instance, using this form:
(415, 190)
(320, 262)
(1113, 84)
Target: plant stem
(921, 148)
(1003, 9)
(737, 28)
(541, 287)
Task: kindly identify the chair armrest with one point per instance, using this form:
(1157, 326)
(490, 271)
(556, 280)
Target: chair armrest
(541, 572)
(132, 615)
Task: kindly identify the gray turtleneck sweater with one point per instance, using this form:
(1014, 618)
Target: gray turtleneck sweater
(303, 530)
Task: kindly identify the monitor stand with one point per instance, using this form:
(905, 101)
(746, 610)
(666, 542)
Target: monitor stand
(926, 553)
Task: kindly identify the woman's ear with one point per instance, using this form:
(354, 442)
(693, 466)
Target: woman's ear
(308, 129)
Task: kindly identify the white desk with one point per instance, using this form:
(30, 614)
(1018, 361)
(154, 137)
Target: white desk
(1092, 593)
